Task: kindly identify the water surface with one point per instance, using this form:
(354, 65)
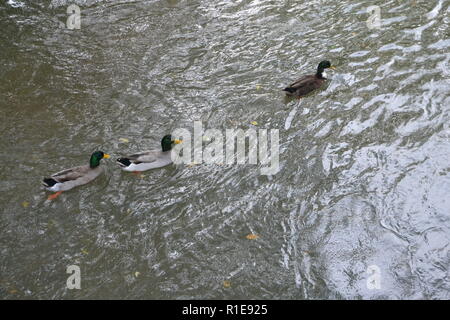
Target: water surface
(364, 163)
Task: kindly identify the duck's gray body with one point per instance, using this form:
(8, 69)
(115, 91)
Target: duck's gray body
(145, 160)
(71, 178)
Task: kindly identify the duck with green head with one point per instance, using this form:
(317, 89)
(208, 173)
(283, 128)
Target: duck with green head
(309, 83)
(76, 176)
(150, 159)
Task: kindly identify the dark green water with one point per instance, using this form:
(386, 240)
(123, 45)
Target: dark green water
(364, 163)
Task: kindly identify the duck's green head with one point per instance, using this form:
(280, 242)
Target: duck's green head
(96, 157)
(325, 64)
(167, 142)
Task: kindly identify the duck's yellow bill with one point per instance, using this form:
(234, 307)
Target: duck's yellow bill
(333, 67)
(176, 141)
(106, 156)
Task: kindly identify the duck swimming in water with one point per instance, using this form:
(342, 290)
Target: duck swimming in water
(151, 159)
(309, 83)
(76, 176)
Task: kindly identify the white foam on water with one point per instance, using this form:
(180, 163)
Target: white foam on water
(15, 4)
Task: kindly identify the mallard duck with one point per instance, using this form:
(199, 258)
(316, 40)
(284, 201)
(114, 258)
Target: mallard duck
(151, 159)
(74, 177)
(309, 83)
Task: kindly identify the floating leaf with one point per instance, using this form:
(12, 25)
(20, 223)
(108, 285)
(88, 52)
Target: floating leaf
(258, 87)
(227, 284)
(13, 291)
(128, 212)
(84, 251)
(51, 223)
(136, 274)
(25, 204)
(252, 236)
(254, 123)
(124, 140)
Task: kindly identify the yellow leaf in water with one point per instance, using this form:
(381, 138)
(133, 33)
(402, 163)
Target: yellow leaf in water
(84, 251)
(254, 123)
(258, 87)
(142, 176)
(25, 204)
(252, 236)
(128, 211)
(136, 274)
(227, 284)
(13, 291)
(124, 140)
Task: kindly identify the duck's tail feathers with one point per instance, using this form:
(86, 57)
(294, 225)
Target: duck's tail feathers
(49, 182)
(289, 89)
(123, 162)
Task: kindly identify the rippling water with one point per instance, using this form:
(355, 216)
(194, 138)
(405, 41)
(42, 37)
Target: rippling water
(364, 163)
